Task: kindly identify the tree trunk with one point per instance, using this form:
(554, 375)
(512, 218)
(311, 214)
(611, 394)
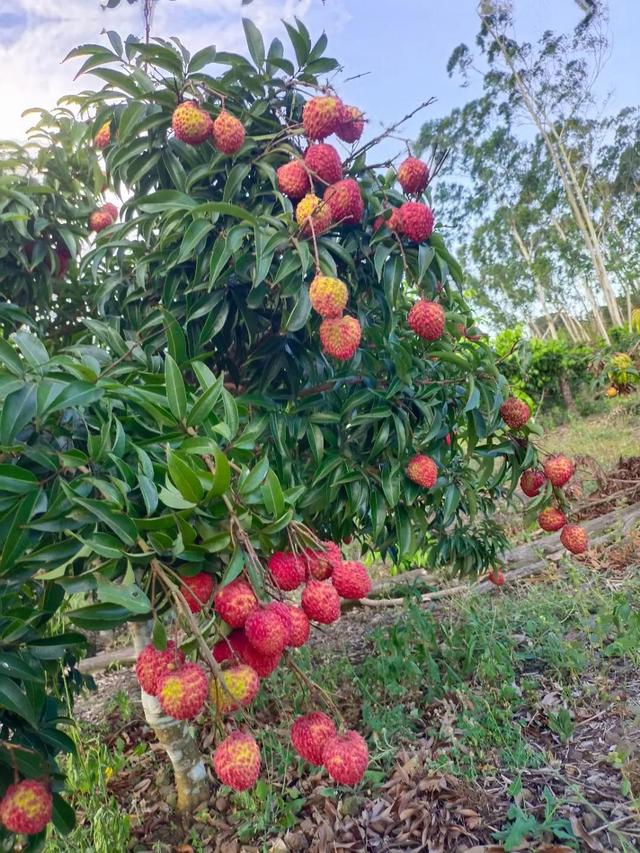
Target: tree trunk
(600, 326)
(192, 784)
(570, 330)
(567, 395)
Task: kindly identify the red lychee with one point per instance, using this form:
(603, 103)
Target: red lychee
(416, 221)
(182, 693)
(574, 538)
(153, 663)
(392, 222)
(345, 757)
(111, 209)
(300, 627)
(321, 602)
(422, 470)
(413, 175)
(552, 519)
(321, 563)
(237, 646)
(323, 161)
(328, 296)
(26, 807)
(99, 220)
(265, 631)
(340, 337)
(228, 133)
(427, 320)
(197, 590)
(532, 482)
(287, 570)
(237, 688)
(310, 733)
(558, 470)
(236, 761)
(351, 580)
(515, 413)
(345, 202)
(191, 124)
(313, 215)
(496, 577)
(322, 116)
(293, 179)
(103, 136)
(283, 613)
(234, 602)
(352, 124)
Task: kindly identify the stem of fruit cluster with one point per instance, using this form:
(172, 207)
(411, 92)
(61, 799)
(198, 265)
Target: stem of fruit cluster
(315, 688)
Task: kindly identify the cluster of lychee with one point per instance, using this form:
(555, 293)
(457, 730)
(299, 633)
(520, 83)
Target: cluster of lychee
(193, 125)
(344, 756)
(255, 637)
(103, 217)
(26, 807)
(413, 219)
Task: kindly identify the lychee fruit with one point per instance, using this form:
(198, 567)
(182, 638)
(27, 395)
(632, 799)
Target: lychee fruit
(345, 757)
(558, 470)
(197, 590)
(323, 161)
(321, 602)
(27, 807)
(234, 602)
(413, 175)
(111, 209)
(392, 222)
(300, 627)
(345, 202)
(99, 220)
(515, 413)
(321, 563)
(416, 221)
(574, 538)
(191, 124)
(182, 693)
(236, 761)
(228, 133)
(103, 136)
(265, 631)
(152, 664)
(237, 646)
(532, 482)
(427, 320)
(313, 215)
(322, 116)
(310, 733)
(552, 519)
(287, 570)
(422, 470)
(236, 688)
(293, 179)
(496, 578)
(340, 337)
(328, 296)
(351, 580)
(352, 124)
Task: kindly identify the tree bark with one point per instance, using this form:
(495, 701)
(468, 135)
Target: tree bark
(600, 326)
(192, 784)
(567, 395)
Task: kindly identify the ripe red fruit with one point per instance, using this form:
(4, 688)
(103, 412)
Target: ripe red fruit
(323, 161)
(352, 124)
(236, 761)
(300, 627)
(287, 570)
(351, 580)
(552, 519)
(392, 223)
(496, 578)
(340, 337)
(322, 116)
(228, 133)
(152, 664)
(197, 590)
(532, 482)
(190, 123)
(234, 602)
(345, 758)
(313, 215)
(515, 413)
(427, 320)
(26, 807)
(320, 564)
(345, 202)
(237, 646)
(309, 735)
(283, 613)
(265, 631)
(328, 296)
(422, 470)
(416, 221)
(103, 136)
(413, 175)
(293, 179)
(575, 538)
(448, 439)
(237, 688)
(182, 693)
(99, 220)
(321, 602)
(558, 470)
(111, 209)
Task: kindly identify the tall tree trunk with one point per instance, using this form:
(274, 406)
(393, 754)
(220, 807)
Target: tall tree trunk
(600, 326)
(526, 255)
(192, 784)
(570, 330)
(567, 395)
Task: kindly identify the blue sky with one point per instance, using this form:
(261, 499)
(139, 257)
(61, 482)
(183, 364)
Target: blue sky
(402, 44)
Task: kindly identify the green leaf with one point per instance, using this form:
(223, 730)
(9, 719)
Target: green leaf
(163, 200)
(192, 237)
(391, 485)
(176, 339)
(15, 701)
(63, 816)
(16, 480)
(176, 391)
(184, 478)
(255, 477)
(18, 532)
(201, 58)
(129, 596)
(272, 494)
(115, 520)
(10, 358)
(299, 313)
(255, 42)
(18, 409)
(222, 474)
(204, 405)
(99, 617)
(159, 635)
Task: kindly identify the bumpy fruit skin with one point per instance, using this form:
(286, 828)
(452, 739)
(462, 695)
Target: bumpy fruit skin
(26, 807)
(293, 180)
(416, 221)
(191, 124)
(552, 519)
(99, 220)
(197, 591)
(309, 735)
(313, 215)
(322, 116)
(532, 482)
(328, 296)
(111, 209)
(103, 136)
(323, 161)
(287, 570)
(340, 337)
(574, 538)
(237, 646)
(300, 627)
(345, 202)
(413, 175)
(427, 320)
(558, 470)
(241, 681)
(345, 758)
(283, 613)
(496, 578)
(228, 133)
(422, 470)
(236, 761)
(351, 580)
(321, 602)
(515, 413)
(234, 602)
(352, 124)
(392, 223)
(152, 664)
(320, 564)
(265, 631)
(182, 693)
